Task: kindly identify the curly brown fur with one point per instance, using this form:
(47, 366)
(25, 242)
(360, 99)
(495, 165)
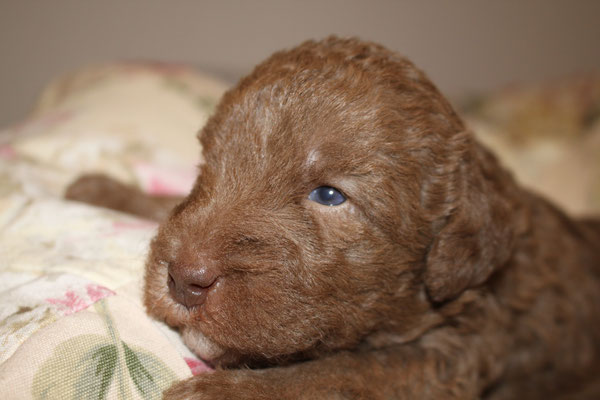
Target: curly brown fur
(438, 278)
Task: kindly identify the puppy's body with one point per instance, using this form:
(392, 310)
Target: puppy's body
(437, 278)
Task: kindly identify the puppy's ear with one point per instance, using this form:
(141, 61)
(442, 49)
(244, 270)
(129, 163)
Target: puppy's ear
(474, 233)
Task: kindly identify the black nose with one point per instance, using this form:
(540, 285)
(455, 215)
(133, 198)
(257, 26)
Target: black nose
(190, 285)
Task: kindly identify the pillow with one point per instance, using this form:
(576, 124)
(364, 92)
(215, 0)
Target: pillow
(548, 134)
(72, 323)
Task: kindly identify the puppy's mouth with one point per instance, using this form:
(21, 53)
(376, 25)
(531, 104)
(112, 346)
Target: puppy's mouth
(203, 347)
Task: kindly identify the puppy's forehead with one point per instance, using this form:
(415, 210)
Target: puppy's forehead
(304, 115)
(336, 100)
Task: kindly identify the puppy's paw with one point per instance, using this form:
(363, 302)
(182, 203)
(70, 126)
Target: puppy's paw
(103, 191)
(225, 384)
(96, 189)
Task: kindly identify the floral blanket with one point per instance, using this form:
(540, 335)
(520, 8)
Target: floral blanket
(548, 134)
(72, 325)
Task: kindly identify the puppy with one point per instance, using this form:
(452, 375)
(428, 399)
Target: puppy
(347, 238)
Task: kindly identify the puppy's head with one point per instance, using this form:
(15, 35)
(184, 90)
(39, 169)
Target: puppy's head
(339, 197)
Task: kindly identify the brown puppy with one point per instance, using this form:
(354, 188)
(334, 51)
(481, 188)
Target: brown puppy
(347, 238)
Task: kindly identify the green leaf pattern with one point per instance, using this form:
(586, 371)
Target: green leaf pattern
(98, 366)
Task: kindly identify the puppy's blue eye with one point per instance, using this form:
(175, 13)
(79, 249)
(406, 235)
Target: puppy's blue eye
(327, 196)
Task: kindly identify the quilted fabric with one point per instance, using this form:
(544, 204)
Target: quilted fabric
(72, 325)
(548, 134)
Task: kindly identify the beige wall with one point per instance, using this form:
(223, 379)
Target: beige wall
(464, 45)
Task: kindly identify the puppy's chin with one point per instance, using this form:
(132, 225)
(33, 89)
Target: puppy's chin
(201, 345)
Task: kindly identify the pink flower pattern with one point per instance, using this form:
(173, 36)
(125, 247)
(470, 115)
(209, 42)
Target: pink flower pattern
(133, 225)
(7, 152)
(72, 302)
(162, 180)
(97, 292)
(159, 187)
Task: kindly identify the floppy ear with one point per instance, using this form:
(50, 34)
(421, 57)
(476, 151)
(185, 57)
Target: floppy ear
(475, 234)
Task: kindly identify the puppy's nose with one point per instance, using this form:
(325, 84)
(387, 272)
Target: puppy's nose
(190, 285)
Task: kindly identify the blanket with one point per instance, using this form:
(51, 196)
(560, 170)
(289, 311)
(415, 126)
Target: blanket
(72, 325)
